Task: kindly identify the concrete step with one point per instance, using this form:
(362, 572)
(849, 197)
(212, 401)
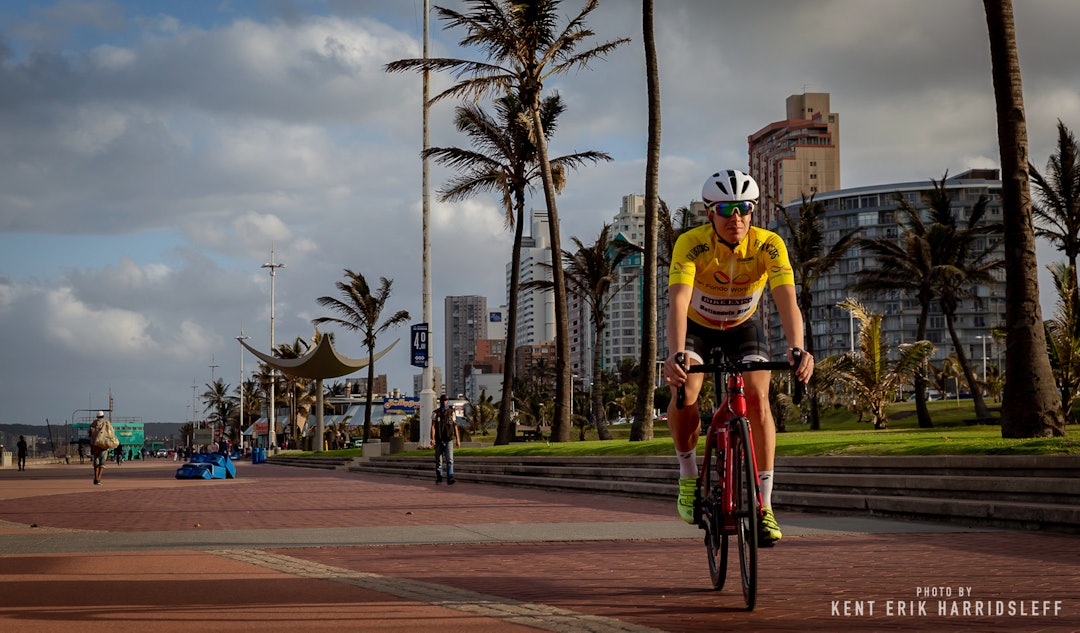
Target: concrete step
(324, 463)
(1067, 466)
(1056, 490)
(1002, 514)
(1028, 492)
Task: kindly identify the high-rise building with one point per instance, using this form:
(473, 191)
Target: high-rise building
(797, 156)
(622, 336)
(536, 308)
(872, 210)
(465, 323)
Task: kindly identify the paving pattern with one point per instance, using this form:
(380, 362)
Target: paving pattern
(282, 548)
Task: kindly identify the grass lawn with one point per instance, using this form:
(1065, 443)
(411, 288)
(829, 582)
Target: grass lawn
(954, 433)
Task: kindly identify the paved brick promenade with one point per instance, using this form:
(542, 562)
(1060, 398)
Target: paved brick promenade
(292, 549)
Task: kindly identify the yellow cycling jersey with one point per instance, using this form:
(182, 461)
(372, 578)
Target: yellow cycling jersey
(728, 282)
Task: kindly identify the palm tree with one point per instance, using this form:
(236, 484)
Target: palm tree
(219, 405)
(298, 394)
(1056, 207)
(523, 48)
(504, 162)
(592, 273)
(1030, 406)
(904, 268)
(964, 256)
(1063, 338)
(809, 265)
(360, 311)
(481, 412)
(251, 398)
(867, 371)
(642, 427)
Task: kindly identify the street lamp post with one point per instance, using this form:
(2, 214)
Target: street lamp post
(983, 339)
(271, 409)
(573, 383)
(427, 386)
(241, 339)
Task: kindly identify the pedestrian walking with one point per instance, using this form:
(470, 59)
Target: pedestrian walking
(21, 446)
(444, 435)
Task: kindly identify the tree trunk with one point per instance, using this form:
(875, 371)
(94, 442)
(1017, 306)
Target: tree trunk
(560, 425)
(806, 304)
(1030, 406)
(504, 432)
(981, 411)
(642, 428)
(597, 399)
(370, 392)
(921, 410)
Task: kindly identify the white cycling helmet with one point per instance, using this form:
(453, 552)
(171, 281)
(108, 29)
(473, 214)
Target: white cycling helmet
(729, 185)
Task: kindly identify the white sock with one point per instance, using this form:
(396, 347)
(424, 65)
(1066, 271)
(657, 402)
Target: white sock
(687, 463)
(765, 476)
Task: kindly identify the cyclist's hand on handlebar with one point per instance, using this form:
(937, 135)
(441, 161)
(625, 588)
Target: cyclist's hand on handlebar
(806, 364)
(674, 374)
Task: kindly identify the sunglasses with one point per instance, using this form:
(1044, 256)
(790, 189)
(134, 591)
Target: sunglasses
(728, 209)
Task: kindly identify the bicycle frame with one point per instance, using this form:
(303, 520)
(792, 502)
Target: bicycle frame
(718, 439)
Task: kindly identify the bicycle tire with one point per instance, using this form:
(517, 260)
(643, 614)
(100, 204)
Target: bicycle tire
(747, 512)
(716, 540)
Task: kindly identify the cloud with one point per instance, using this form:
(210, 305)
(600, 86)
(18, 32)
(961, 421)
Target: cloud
(153, 159)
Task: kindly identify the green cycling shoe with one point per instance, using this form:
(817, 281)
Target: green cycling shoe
(769, 530)
(687, 497)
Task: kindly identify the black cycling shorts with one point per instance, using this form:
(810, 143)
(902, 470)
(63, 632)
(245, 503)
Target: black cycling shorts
(745, 341)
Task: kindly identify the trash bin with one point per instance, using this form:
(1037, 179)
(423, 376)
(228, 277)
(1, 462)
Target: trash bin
(397, 444)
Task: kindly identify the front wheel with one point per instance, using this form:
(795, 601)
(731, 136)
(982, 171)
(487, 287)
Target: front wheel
(747, 513)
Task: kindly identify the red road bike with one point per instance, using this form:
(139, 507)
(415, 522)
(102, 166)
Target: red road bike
(728, 500)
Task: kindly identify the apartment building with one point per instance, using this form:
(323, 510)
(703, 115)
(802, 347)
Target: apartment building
(797, 156)
(872, 210)
(465, 323)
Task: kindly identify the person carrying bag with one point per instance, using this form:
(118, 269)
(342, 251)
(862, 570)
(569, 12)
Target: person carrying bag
(102, 438)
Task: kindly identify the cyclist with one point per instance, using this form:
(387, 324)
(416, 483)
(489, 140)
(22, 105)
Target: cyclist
(718, 273)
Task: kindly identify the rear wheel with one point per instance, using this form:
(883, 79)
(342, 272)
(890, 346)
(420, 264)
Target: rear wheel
(747, 513)
(709, 496)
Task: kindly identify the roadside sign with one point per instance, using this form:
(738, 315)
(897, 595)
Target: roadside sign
(419, 346)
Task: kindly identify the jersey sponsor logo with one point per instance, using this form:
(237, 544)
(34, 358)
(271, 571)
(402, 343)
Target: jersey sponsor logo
(771, 250)
(716, 301)
(698, 251)
(740, 280)
(779, 269)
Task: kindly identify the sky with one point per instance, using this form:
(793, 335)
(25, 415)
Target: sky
(152, 153)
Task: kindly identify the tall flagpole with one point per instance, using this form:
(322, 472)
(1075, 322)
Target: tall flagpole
(427, 389)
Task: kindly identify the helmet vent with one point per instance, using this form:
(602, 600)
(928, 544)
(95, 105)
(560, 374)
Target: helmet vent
(733, 179)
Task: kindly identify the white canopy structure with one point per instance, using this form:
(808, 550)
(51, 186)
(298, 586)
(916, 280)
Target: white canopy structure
(320, 362)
